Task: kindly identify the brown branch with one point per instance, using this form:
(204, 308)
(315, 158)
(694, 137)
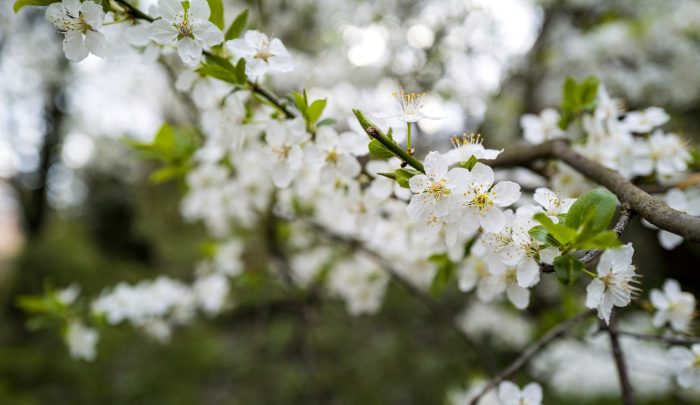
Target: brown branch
(671, 340)
(618, 356)
(531, 351)
(648, 207)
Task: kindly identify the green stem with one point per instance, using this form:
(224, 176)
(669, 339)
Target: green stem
(375, 133)
(408, 138)
(590, 273)
(274, 100)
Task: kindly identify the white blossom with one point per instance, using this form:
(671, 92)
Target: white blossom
(645, 121)
(687, 364)
(468, 146)
(483, 200)
(511, 394)
(435, 191)
(187, 25)
(81, 341)
(614, 284)
(673, 306)
(80, 23)
(552, 204)
(540, 128)
(262, 54)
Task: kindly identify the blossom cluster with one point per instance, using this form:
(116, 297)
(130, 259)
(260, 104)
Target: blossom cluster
(270, 164)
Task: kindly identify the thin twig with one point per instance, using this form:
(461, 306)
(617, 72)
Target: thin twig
(648, 207)
(531, 351)
(671, 340)
(269, 96)
(623, 376)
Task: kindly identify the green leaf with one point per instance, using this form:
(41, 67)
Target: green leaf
(217, 13)
(567, 269)
(218, 60)
(218, 72)
(603, 240)
(379, 151)
(167, 173)
(20, 4)
(326, 121)
(444, 274)
(541, 235)
(403, 176)
(313, 113)
(237, 26)
(562, 233)
(239, 71)
(588, 91)
(300, 102)
(469, 164)
(388, 175)
(599, 205)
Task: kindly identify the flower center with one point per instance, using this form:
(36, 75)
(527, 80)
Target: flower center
(481, 202)
(185, 27)
(282, 151)
(410, 103)
(332, 156)
(264, 51)
(438, 190)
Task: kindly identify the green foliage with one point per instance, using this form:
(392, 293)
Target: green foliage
(567, 269)
(561, 232)
(402, 176)
(387, 141)
(469, 164)
(444, 275)
(540, 234)
(237, 26)
(173, 147)
(379, 151)
(217, 13)
(311, 112)
(597, 207)
(577, 98)
(585, 225)
(20, 4)
(220, 68)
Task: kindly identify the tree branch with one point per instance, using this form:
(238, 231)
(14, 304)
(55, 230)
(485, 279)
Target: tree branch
(531, 351)
(671, 340)
(616, 349)
(648, 207)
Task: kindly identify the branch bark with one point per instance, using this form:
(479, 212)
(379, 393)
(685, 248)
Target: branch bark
(531, 351)
(671, 340)
(648, 207)
(618, 356)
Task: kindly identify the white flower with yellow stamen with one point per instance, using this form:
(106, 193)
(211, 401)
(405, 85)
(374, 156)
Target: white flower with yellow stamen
(552, 204)
(187, 24)
(80, 23)
(483, 200)
(614, 284)
(467, 146)
(409, 108)
(435, 191)
(261, 53)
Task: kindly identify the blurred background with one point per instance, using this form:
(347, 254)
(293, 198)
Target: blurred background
(76, 204)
